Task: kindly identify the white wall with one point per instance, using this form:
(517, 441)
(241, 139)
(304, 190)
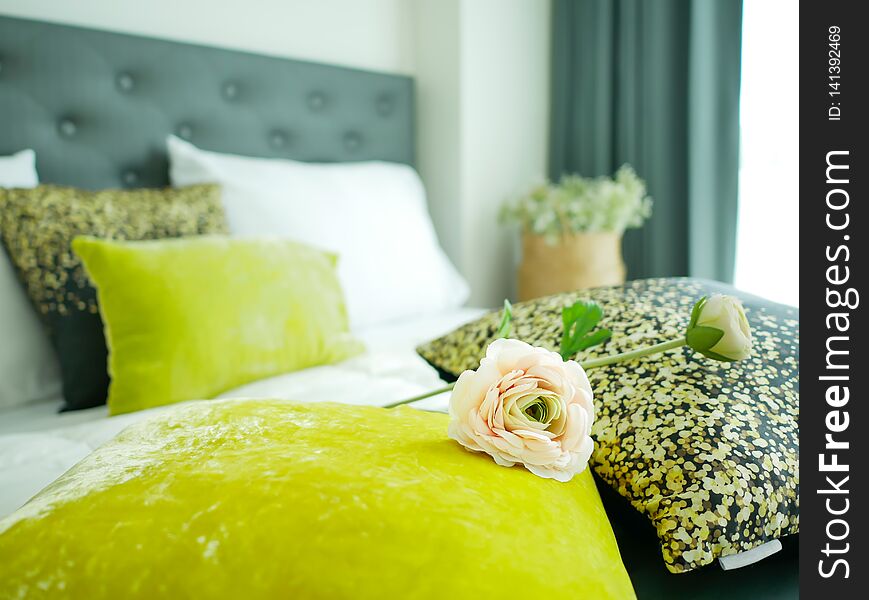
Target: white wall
(482, 77)
(439, 117)
(482, 69)
(505, 116)
(368, 34)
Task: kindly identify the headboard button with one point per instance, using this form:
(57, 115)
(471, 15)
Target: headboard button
(184, 131)
(316, 101)
(130, 178)
(67, 128)
(1, 66)
(124, 82)
(230, 90)
(384, 106)
(352, 141)
(278, 139)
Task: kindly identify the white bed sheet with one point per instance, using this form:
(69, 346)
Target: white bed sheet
(37, 444)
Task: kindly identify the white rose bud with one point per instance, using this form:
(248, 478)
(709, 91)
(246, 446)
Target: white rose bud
(719, 328)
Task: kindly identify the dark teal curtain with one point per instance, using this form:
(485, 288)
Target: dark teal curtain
(655, 83)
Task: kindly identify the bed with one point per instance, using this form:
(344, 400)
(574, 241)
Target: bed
(66, 92)
(37, 444)
(97, 107)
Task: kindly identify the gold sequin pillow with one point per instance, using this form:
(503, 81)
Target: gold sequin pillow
(708, 451)
(37, 227)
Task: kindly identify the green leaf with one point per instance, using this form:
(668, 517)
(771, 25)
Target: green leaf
(695, 312)
(703, 338)
(593, 339)
(506, 320)
(578, 320)
(716, 356)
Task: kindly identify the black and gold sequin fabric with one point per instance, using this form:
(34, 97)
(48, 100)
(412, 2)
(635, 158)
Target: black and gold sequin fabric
(37, 227)
(709, 451)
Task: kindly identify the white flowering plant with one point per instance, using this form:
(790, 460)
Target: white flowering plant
(581, 205)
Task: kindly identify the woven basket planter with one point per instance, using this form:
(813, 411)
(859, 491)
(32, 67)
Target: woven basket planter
(577, 261)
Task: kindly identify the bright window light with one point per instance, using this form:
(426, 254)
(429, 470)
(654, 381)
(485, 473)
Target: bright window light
(767, 248)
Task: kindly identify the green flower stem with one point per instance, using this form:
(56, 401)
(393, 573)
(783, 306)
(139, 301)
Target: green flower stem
(624, 356)
(422, 396)
(589, 364)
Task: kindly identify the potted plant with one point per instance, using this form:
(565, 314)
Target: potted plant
(572, 231)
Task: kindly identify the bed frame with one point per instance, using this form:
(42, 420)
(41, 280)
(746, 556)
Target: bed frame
(97, 106)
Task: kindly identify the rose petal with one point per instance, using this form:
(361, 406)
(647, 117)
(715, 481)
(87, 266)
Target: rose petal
(529, 434)
(471, 387)
(548, 473)
(514, 440)
(575, 428)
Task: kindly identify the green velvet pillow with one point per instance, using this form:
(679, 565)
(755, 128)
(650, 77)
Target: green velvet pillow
(37, 227)
(273, 499)
(192, 318)
(707, 450)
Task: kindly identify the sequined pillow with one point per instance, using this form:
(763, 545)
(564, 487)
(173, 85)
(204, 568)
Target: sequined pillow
(37, 227)
(708, 451)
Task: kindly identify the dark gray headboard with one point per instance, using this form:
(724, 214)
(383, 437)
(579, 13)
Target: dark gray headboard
(97, 106)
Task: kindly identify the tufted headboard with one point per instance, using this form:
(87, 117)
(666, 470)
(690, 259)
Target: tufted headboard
(97, 106)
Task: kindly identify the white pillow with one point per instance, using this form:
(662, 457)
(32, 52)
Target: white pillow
(28, 366)
(19, 170)
(372, 214)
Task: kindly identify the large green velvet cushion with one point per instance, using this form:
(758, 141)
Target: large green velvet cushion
(709, 451)
(37, 227)
(191, 318)
(268, 499)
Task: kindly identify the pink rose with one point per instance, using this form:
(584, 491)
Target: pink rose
(525, 405)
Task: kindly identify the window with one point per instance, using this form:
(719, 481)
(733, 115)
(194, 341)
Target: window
(767, 246)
